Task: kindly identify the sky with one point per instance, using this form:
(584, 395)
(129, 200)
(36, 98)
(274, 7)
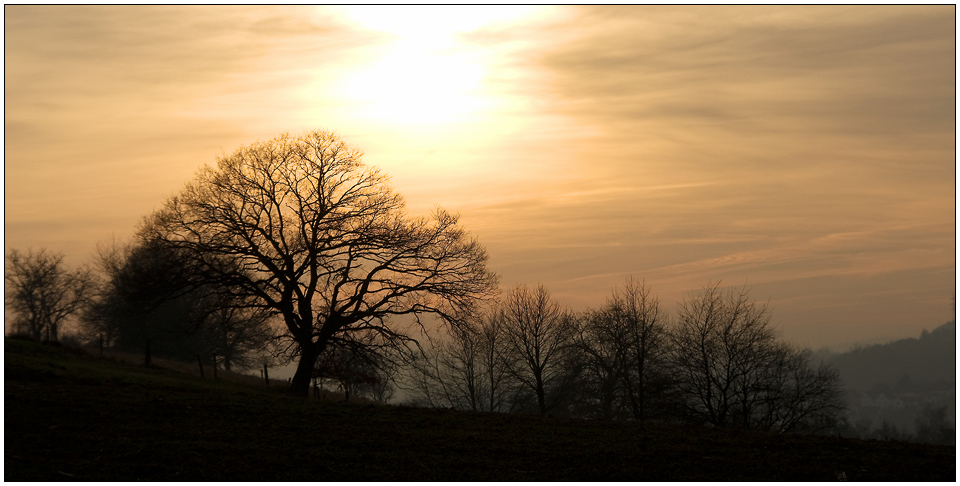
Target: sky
(806, 152)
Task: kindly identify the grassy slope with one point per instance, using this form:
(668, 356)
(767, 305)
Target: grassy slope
(71, 416)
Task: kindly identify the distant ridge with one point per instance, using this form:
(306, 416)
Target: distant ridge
(931, 359)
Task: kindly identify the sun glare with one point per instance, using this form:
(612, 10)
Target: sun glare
(426, 75)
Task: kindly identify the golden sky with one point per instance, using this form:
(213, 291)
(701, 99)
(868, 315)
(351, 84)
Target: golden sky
(806, 151)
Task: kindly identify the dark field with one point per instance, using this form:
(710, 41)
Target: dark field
(69, 416)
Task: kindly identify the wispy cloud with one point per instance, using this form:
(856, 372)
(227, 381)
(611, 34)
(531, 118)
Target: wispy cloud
(806, 150)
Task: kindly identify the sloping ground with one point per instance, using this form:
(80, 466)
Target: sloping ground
(71, 416)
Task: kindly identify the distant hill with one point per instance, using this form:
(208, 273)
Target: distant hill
(927, 361)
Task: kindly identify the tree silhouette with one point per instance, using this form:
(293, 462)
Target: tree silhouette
(357, 366)
(42, 292)
(150, 299)
(322, 241)
(933, 426)
(540, 333)
(466, 368)
(624, 346)
(731, 370)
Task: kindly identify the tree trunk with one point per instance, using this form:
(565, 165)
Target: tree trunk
(641, 401)
(541, 396)
(54, 333)
(36, 329)
(300, 384)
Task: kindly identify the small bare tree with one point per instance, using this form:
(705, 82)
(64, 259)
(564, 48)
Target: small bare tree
(731, 370)
(363, 365)
(624, 348)
(798, 395)
(601, 342)
(465, 368)
(42, 292)
(455, 368)
(720, 342)
(540, 333)
(239, 334)
(644, 375)
(494, 363)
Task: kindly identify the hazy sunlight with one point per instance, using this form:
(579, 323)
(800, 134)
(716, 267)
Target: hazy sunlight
(419, 79)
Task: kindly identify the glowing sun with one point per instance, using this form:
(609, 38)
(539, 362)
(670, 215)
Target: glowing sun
(426, 75)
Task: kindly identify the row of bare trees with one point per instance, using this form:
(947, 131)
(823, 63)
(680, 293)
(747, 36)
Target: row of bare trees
(138, 297)
(717, 362)
(296, 243)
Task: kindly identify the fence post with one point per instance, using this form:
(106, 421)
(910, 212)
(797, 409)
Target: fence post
(265, 375)
(200, 362)
(101, 344)
(214, 367)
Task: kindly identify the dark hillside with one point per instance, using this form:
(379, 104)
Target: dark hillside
(71, 416)
(904, 389)
(930, 359)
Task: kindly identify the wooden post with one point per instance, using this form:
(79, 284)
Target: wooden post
(101, 344)
(265, 375)
(214, 367)
(146, 355)
(199, 362)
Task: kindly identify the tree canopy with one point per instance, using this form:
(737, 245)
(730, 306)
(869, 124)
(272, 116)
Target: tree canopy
(323, 241)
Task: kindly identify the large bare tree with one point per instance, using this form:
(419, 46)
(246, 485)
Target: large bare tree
(323, 241)
(42, 292)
